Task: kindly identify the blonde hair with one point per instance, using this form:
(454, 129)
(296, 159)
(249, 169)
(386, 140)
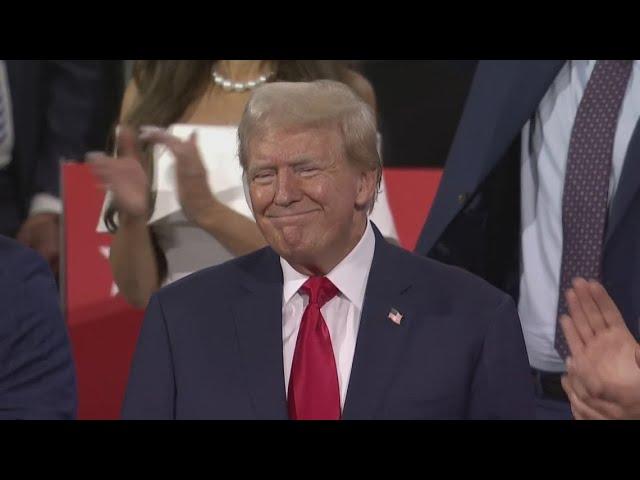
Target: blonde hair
(285, 105)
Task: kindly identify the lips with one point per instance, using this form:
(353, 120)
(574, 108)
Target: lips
(290, 216)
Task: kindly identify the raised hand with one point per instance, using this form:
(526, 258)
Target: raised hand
(125, 176)
(194, 193)
(603, 371)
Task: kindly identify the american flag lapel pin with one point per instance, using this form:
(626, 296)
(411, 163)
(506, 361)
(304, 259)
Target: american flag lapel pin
(395, 316)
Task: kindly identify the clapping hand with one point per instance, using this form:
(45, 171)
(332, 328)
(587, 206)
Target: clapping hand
(124, 176)
(603, 371)
(194, 193)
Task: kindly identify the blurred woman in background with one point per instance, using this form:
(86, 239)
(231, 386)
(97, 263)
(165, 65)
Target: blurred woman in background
(205, 98)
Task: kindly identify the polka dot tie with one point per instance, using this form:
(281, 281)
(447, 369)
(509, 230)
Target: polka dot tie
(586, 182)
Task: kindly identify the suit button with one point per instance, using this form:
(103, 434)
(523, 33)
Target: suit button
(462, 198)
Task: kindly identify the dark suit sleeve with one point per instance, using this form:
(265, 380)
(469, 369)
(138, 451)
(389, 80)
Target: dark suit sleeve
(75, 103)
(502, 386)
(150, 393)
(37, 376)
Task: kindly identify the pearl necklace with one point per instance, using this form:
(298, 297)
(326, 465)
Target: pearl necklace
(231, 86)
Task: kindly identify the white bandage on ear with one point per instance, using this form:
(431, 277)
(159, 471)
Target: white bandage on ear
(247, 195)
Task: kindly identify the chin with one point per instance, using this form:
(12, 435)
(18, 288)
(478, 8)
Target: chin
(293, 238)
(296, 254)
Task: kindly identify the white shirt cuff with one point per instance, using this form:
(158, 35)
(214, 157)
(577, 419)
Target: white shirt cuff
(45, 203)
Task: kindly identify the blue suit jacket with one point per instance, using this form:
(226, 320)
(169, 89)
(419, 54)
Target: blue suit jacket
(211, 346)
(37, 377)
(474, 222)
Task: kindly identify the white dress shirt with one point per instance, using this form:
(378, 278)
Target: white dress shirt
(545, 147)
(341, 314)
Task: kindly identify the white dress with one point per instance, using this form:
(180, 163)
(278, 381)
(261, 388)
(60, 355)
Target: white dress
(189, 248)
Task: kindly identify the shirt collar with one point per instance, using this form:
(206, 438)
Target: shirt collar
(349, 276)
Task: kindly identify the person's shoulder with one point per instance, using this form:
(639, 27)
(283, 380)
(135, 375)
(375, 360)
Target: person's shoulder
(448, 284)
(17, 261)
(222, 280)
(26, 283)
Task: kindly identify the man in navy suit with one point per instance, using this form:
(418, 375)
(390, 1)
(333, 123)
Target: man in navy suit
(330, 321)
(49, 110)
(541, 187)
(37, 376)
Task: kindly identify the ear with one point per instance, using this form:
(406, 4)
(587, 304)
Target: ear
(367, 184)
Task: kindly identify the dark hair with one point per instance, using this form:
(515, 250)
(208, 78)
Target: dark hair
(167, 88)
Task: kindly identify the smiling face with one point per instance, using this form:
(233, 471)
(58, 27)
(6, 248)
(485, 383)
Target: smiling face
(309, 202)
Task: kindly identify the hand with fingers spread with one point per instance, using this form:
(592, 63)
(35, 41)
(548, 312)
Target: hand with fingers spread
(124, 176)
(603, 371)
(194, 193)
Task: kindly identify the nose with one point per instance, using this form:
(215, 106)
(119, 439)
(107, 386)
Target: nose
(287, 188)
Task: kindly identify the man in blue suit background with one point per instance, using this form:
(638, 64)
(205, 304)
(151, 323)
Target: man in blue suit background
(37, 376)
(542, 186)
(50, 110)
(330, 321)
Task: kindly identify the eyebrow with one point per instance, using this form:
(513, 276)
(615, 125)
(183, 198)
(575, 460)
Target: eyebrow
(302, 161)
(267, 164)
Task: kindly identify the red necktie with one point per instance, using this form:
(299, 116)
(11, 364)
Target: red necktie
(313, 384)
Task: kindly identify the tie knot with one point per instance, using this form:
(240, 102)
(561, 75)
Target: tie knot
(320, 290)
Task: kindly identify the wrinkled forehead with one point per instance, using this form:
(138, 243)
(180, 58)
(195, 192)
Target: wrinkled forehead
(291, 143)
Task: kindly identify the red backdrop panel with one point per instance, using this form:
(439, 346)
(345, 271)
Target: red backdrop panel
(104, 329)
(411, 192)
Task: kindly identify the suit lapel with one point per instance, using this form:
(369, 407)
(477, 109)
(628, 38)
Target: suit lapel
(379, 340)
(629, 183)
(258, 318)
(504, 96)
